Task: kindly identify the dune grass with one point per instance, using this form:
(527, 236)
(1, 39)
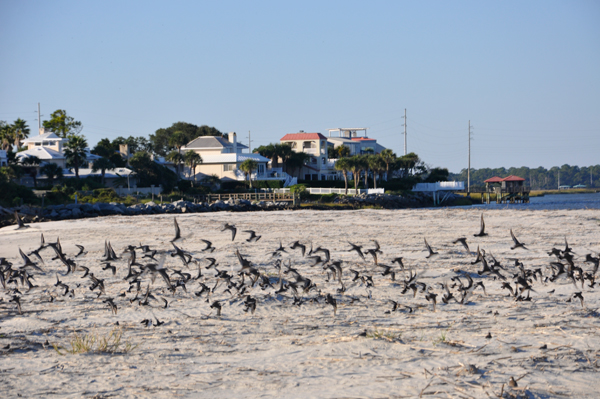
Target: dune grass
(110, 343)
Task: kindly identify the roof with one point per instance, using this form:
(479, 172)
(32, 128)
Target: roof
(42, 153)
(362, 139)
(42, 137)
(494, 179)
(303, 136)
(513, 178)
(211, 142)
(342, 140)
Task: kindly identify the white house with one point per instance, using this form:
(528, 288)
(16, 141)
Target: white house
(49, 148)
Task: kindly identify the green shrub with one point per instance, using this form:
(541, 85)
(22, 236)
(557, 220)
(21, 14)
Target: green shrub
(12, 193)
(267, 184)
(86, 184)
(301, 190)
(328, 198)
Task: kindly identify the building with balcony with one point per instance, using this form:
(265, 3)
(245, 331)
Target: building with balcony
(315, 145)
(49, 148)
(222, 157)
(352, 138)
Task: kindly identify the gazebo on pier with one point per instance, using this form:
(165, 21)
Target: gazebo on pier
(510, 189)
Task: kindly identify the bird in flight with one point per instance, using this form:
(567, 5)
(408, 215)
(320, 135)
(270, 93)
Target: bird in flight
(482, 232)
(518, 244)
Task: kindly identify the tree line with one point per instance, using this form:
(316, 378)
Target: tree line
(537, 178)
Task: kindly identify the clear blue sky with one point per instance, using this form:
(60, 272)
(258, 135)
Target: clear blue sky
(527, 74)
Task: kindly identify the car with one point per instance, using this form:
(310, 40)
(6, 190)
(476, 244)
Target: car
(580, 186)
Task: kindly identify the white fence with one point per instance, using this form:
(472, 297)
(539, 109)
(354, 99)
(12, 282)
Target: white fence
(440, 186)
(326, 190)
(138, 190)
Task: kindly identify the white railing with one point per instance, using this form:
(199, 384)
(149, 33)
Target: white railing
(440, 186)
(327, 190)
(351, 191)
(138, 190)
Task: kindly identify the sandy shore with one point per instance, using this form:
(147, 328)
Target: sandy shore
(549, 345)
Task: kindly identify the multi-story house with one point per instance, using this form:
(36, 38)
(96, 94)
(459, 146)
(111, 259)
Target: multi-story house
(318, 166)
(357, 143)
(223, 157)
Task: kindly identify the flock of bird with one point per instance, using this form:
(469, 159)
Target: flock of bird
(279, 275)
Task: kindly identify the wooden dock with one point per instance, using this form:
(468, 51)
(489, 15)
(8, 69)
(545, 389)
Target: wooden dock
(259, 196)
(511, 195)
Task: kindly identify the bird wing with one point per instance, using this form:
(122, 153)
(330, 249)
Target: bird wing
(177, 230)
(512, 235)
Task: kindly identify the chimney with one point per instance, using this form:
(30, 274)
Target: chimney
(124, 151)
(233, 140)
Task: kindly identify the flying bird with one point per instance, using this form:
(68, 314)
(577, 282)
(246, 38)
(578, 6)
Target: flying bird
(482, 232)
(431, 251)
(253, 237)
(20, 223)
(230, 227)
(517, 243)
(463, 241)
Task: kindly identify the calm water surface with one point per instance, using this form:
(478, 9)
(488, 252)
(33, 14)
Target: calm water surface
(554, 201)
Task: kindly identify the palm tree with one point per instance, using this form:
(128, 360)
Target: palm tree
(192, 159)
(388, 157)
(21, 131)
(248, 166)
(176, 158)
(363, 165)
(52, 171)
(75, 152)
(296, 160)
(285, 152)
(178, 139)
(343, 151)
(7, 136)
(101, 165)
(355, 168)
(376, 164)
(31, 163)
(343, 164)
(268, 151)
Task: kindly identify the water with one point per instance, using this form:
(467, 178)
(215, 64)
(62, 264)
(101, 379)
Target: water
(554, 201)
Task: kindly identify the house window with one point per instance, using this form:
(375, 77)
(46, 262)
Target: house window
(229, 167)
(307, 144)
(261, 169)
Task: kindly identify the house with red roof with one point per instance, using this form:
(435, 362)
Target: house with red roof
(355, 139)
(318, 166)
(509, 189)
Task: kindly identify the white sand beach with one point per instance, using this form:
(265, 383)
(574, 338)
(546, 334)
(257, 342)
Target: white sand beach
(549, 345)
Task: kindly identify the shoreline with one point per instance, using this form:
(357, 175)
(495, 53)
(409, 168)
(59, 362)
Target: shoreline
(369, 347)
(87, 210)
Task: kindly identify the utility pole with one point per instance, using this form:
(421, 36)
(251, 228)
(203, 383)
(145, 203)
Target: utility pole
(469, 166)
(558, 179)
(404, 131)
(591, 181)
(39, 119)
(249, 143)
